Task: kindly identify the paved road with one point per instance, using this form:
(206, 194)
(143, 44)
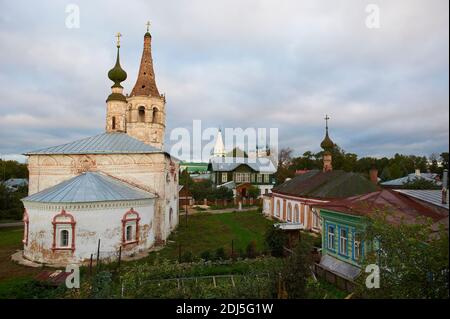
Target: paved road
(11, 224)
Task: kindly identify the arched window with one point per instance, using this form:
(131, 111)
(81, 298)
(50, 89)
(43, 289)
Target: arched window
(289, 213)
(63, 232)
(26, 223)
(141, 114)
(154, 115)
(302, 214)
(296, 214)
(130, 227)
(113, 123)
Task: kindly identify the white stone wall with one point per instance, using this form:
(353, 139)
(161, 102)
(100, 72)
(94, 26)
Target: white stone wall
(93, 222)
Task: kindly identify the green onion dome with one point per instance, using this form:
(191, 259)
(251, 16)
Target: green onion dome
(117, 74)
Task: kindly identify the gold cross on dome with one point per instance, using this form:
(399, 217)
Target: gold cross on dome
(148, 26)
(118, 35)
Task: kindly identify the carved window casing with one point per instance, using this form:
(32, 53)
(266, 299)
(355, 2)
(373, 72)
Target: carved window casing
(63, 232)
(130, 227)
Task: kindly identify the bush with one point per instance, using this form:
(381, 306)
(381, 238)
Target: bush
(251, 249)
(187, 257)
(220, 254)
(275, 240)
(206, 255)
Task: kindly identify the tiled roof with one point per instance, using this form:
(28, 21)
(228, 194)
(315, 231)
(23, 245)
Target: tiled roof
(327, 185)
(226, 164)
(399, 207)
(106, 143)
(89, 187)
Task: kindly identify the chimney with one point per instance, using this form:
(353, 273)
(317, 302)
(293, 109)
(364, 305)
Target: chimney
(444, 186)
(417, 172)
(373, 173)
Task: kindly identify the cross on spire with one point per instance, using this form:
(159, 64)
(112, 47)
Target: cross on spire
(326, 121)
(148, 26)
(118, 35)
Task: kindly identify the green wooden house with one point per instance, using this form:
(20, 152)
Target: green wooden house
(345, 221)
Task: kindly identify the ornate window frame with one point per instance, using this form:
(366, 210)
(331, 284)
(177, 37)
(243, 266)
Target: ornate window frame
(63, 221)
(130, 218)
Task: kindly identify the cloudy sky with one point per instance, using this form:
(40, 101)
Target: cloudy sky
(232, 63)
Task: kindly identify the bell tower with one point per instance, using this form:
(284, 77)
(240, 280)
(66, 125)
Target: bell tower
(116, 103)
(146, 108)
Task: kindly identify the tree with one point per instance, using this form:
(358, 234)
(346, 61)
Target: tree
(420, 183)
(413, 260)
(253, 191)
(298, 269)
(275, 240)
(284, 163)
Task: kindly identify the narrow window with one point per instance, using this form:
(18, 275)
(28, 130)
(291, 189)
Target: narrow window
(357, 247)
(64, 238)
(141, 113)
(113, 124)
(331, 237)
(129, 233)
(224, 177)
(154, 115)
(343, 242)
(289, 215)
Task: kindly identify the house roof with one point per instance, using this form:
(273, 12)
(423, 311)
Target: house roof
(340, 267)
(427, 195)
(331, 184)
(14, 182)
(89, 187)
(398, 207)
(105, 143)
(411, 178)
(226, 164)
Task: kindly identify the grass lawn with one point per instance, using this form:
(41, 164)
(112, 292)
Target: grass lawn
(205, 231)
(12, 275)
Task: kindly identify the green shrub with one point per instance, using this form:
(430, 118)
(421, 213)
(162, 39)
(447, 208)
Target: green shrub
(220, 254)
(187, 257)
(251, 249)
(206, 255)
(275, 240)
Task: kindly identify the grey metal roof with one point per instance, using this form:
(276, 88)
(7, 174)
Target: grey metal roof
(429, 196)
(411, 178)
(106, 143)
(340, 267)
(89, 187)
(226, 164)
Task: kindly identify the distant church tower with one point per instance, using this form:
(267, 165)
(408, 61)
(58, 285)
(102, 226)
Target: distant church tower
(116, 103)
(146, 108)
(327, 145)
(219, 147)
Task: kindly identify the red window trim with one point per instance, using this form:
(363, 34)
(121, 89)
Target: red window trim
(55, 223)
(126, 219)
(26, 224)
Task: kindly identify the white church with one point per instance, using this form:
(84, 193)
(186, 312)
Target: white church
(119, 188)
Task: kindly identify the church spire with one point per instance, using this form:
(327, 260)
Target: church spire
(327, 145)
(145, 83)
(117, 75)
(219, 147)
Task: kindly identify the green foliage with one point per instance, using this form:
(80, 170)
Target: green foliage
(12, 169)
(297, 269)
(11, 206)
(413, 260)
(205, 189)
(220, 254)
(253, 192)
(252, 252)
(205, 255)
(275, 240)
(187, 257)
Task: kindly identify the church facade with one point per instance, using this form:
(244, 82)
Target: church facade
(114, 191)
